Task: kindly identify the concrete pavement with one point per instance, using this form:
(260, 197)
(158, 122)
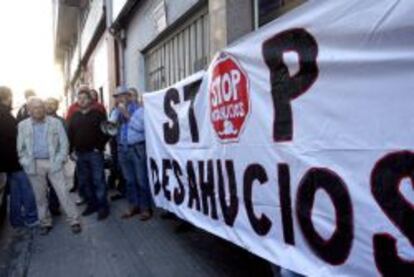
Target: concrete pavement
(117, 247)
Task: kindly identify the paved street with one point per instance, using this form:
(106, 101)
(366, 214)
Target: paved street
(117, 247)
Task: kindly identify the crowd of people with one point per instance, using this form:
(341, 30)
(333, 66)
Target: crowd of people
(37, 145)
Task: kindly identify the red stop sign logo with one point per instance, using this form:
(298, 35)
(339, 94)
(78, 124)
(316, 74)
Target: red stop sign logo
(229, 98)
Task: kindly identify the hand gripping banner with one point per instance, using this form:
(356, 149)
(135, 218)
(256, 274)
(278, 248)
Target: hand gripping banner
(297, 143)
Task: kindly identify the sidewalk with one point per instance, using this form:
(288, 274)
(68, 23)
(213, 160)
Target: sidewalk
(117, 247)
(15, 249)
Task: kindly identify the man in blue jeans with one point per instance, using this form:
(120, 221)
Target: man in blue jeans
(21, 196)
(88, 143)
(130, 141)
(23, 210)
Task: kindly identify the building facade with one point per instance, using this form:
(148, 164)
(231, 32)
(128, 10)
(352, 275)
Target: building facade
(150, 44)
(84, 47)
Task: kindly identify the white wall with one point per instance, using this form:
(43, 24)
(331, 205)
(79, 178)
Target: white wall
(101, 70)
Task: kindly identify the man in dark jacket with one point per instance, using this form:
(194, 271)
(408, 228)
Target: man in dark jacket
(52, 106)
(23, 112)
(88, 143)
(22, 203)
(94, 105)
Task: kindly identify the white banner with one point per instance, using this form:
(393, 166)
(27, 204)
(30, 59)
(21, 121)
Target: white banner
(297, 143)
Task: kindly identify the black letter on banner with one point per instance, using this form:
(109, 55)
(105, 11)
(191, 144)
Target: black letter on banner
(254, 172)
(208, 197)
(336, 249)
(155, 177)
(166, 165)
(385, 186)
(190, 92)
(229, 210)
(284, 87)
(171, 133)
(192, 185)
(286, 203)
(178, 192)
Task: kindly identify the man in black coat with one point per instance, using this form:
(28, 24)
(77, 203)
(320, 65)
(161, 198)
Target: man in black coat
(88, 142)
(21, 193)
(23, 112)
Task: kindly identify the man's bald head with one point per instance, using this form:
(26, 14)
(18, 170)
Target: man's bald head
(37, 108)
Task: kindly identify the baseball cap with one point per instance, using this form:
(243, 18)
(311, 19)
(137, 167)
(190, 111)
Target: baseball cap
(120, 90)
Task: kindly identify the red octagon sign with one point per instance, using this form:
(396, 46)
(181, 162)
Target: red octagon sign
(229, 98)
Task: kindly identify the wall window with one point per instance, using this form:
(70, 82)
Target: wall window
(267, 10)
(180, 55)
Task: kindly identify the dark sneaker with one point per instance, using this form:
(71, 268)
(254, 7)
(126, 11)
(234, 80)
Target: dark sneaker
(76, 228)
(89, 210)
(103, 214)
(44, 230)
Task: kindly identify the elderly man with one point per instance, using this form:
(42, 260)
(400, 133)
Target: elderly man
(130, 140)
(22, 203)
(43, 149)
(122, 114)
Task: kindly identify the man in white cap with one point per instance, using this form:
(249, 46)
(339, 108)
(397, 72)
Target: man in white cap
(122, 115)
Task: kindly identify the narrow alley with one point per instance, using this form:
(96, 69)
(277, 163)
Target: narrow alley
(120, 248)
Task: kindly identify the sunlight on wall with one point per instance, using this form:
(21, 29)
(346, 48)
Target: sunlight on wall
(26, 49)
